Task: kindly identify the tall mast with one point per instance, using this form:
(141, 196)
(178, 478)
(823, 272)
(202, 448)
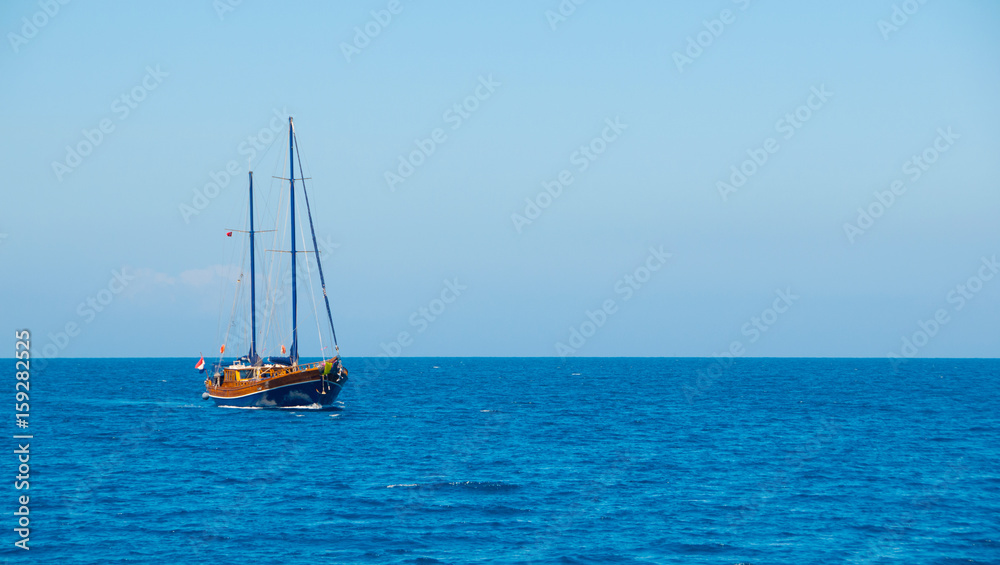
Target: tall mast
(294, 353)
(253, 280)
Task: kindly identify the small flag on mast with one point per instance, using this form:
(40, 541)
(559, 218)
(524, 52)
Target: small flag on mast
(229, 234)
(200, 365)
(222, 349)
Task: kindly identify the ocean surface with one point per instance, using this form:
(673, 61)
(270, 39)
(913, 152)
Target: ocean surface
(448, 460)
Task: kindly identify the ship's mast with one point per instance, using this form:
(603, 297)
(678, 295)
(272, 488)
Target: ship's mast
(253, 280)
(294, 353)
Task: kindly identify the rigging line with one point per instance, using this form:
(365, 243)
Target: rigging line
(269, 319)
(240, 294)
(243, 213)
(272, 324)
(319, 262)
(282, 319)
(232, 313)
(223, 287)
(312, 293)
(236, 293)
(269, 146)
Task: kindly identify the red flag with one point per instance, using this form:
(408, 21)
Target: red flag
(222, 349)
(229, 234)
(200, 365)
(282, 349)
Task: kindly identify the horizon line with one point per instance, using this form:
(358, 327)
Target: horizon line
(542, 357)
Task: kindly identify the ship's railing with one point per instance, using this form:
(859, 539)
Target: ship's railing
(234, 375)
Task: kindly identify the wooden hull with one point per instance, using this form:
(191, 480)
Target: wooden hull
(278, 388)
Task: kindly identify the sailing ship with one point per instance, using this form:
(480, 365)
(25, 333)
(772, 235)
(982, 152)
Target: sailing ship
(279, 381)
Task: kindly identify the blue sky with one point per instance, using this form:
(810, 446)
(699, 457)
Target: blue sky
(215, 78)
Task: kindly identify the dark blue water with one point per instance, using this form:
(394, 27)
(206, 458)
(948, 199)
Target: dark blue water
(767, 461)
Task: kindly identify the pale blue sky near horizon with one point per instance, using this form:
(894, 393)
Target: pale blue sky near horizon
(223, 78)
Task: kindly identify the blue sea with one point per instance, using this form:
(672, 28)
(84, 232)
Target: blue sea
(477, 460)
